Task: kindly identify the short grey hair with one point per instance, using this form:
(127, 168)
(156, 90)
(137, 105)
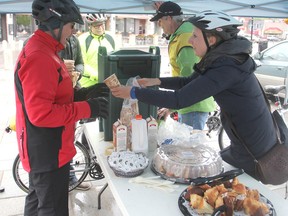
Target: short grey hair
(178, 19)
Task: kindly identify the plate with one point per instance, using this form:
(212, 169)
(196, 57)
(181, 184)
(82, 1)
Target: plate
(188, 211)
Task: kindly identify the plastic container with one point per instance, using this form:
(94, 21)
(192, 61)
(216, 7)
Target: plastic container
(126, 64)
(183, 163)
(139, 135)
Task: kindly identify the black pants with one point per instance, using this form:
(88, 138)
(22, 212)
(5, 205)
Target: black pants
(48, 193)
(247, 164)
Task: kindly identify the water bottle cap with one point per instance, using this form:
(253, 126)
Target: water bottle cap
(138, 117)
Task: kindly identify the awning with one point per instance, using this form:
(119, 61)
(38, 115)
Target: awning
(243, 8)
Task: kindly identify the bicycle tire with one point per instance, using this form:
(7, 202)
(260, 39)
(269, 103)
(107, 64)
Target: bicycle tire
(223, 138)
(80, 165)
(20, 176)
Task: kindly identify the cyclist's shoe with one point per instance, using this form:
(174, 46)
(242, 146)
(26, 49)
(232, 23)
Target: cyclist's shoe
(83, 186)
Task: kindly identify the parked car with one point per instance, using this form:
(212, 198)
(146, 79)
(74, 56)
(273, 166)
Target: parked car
(273, 38)
(273, 65)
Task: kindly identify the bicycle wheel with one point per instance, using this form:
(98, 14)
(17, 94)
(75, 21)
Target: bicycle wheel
(223, 138)
(20, 176)
(79, 166)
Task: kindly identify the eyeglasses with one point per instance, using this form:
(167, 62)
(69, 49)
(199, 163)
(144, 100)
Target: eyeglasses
(97, 26)
(72, 25)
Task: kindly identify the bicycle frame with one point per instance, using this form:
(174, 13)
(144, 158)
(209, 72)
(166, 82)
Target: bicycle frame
(285, 102)
(94, 168)
(81, 129)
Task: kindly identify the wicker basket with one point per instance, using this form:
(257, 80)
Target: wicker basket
(133, 173)
(121, 173)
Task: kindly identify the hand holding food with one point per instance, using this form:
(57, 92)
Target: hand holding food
(121, 92)
(74, 76)
(70, 65)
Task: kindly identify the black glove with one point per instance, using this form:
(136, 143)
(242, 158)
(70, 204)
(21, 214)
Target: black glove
(99, 107)
(98, 90)
(95, 91)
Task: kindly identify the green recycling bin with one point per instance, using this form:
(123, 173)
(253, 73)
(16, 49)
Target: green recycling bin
(126, 64)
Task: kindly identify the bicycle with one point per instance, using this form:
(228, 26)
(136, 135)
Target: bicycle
(281, 107)
(83, 163)
(214, 124)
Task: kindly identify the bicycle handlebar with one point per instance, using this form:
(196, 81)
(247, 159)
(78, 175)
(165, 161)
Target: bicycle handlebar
(87, 120)
(8, 130)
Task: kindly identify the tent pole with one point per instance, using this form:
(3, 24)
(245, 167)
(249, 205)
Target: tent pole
(252, 28)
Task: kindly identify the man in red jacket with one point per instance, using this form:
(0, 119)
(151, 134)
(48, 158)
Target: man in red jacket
(45, 108)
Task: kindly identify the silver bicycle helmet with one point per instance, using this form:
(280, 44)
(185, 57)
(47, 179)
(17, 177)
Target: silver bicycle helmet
(63, 10)
(95, 18)
(216, 22)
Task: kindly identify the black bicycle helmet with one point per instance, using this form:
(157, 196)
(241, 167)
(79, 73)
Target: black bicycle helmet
(216, 22)
(64, 10)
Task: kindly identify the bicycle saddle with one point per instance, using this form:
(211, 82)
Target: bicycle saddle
(274, 89)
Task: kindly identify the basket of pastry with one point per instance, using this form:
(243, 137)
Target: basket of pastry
(127, 163)
(226, 198)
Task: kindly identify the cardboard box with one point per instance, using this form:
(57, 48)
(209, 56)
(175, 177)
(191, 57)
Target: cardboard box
(119, 136)
(152, 131)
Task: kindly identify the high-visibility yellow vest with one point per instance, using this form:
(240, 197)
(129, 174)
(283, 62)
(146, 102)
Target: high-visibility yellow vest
(179, 42)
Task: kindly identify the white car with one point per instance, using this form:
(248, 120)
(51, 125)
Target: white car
(273, 65)
(273, 38)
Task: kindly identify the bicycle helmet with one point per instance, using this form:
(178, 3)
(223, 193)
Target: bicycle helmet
(95, 18)
(216, 22)
(63, 10)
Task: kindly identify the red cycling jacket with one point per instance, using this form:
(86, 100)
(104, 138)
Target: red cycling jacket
(45, 111)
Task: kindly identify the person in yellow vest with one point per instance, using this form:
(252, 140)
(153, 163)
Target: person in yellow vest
(89, 43)
(182, 59)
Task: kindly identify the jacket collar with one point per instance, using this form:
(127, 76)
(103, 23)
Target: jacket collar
(49, 40)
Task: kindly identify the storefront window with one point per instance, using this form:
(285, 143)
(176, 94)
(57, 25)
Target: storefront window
(130, 25)
(24, 27)
(125, 26)
(120, 25)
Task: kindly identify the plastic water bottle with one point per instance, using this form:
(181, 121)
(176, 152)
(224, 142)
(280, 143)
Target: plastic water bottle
(139, 135)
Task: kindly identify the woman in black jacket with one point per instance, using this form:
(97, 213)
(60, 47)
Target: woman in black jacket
(226, 72)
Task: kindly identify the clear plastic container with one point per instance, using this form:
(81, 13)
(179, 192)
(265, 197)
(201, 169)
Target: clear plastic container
(183, 163)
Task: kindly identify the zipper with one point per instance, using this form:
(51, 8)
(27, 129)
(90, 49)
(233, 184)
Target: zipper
(22, 143)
